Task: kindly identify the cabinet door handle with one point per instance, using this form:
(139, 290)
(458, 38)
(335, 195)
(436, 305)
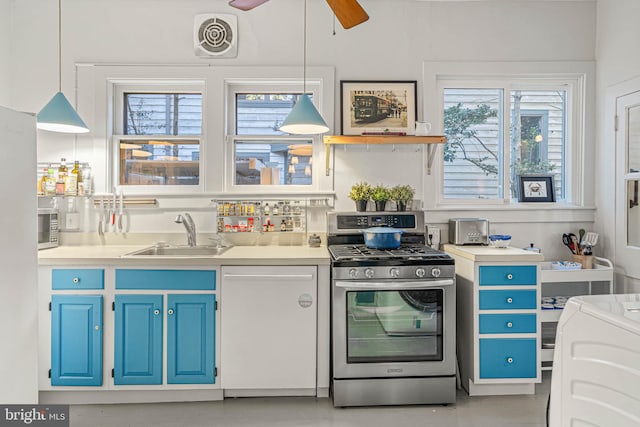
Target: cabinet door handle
(509, 300)
(76, 280)
(156, 311)
(509, 325)
(170, 311)
(97, 327)
(509, 276)
(509, 360)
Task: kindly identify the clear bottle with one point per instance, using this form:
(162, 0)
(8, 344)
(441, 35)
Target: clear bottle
(62, 176)
(276, 209)
(267, 209)
(87, 180)
(50, 183)
(79, 178)
(42, 182)
(71, 181)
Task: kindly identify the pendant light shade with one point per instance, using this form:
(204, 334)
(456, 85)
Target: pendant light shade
(59, 116)
(304, 118)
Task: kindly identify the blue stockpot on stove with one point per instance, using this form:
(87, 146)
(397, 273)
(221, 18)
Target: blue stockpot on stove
(382, 237)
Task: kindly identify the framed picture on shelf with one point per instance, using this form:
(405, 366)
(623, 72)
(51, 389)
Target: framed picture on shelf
(378, 107)
(536, 188)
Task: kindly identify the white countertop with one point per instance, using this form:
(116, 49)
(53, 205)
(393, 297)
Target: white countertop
(237, 255)
(490, 253)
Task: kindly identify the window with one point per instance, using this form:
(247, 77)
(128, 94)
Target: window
(262, 154)
(158, 135)
(499, 129)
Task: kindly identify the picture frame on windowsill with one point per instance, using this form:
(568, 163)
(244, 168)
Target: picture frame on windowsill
(536, 188)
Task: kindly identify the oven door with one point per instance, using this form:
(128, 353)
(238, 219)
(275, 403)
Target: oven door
(393, 329)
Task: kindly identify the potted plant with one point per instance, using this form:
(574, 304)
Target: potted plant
(380, 195)
(402, 195)
(360, 193)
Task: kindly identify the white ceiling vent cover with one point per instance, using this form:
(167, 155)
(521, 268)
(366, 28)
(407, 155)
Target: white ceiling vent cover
(216, 35)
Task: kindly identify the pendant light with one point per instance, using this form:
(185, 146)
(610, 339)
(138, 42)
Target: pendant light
(304, 118)
(59, 115)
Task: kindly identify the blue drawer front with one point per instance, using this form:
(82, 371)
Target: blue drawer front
(199, 280)
(138, 339)
(508, 299)
(508, 358)
(507, 323)
(191, 339)
(77, 279)
(76, 340)
(500, 275)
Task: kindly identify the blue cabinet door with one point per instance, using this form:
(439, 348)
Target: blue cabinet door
(138, 339)
(76, 340)
(191, 339)
(508, 358)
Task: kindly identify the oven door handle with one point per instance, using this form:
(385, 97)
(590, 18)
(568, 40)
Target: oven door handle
(394, 285)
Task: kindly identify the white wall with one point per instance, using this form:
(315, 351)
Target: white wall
(5, 50)
(392, 45)
(617, 36)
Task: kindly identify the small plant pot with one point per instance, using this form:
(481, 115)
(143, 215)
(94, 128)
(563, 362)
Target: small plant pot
(381, 205)
(401, 205)
(361, 205)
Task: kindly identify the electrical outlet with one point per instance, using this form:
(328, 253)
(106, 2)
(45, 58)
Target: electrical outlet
(433, 237)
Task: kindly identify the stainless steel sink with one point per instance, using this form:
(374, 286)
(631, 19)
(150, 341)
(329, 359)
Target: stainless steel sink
(178, 251)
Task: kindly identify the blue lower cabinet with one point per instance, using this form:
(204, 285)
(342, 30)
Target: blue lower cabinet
(76, 340)
(508, 358)
(507, 323)
(138, 339)
(191, 339)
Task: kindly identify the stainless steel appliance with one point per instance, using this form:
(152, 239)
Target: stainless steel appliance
(393, 314)
(469, 231)
(48, 228)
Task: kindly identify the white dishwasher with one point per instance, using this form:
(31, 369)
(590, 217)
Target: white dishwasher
(269, 327)
(596, 365)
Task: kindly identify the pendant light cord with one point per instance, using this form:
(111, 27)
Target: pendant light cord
(304, 51)
(59, 45)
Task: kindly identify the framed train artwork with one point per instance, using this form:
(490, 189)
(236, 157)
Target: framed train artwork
(378, 107)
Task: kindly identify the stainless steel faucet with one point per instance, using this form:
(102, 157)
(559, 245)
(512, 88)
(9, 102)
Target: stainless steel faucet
(190, 226)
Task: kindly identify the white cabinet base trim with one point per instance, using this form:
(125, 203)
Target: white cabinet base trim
(60, 397)
(500, 389)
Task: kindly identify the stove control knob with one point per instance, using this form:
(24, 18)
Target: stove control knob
(368, 273)
(394, 272)
(420, 272)
(353, 273)
(435, 272)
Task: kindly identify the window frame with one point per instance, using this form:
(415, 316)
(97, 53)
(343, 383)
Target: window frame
(234, 87)
(141, 85)
(572, 76)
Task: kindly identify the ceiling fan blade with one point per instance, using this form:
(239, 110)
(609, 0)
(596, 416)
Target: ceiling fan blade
(246, 4)
(348, 12)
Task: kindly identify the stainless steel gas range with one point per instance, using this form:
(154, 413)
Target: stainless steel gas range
(393, 314)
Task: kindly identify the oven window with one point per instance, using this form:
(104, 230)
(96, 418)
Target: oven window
(394, 326)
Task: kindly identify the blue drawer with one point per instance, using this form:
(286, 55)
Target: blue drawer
(77, 279)
(507, 323)
(508, 358)
(508, 299)
(199, 280)
(500, 275)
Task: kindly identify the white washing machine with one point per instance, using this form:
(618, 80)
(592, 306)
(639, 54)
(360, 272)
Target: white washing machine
(596, 364)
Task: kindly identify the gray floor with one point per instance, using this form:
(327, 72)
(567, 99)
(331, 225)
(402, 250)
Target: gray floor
(490, 411)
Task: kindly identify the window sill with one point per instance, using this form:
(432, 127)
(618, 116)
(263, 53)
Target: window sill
(513, 213)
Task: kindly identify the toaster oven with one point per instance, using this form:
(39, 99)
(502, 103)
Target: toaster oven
(469, 231)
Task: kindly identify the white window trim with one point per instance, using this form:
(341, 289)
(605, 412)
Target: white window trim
(319, 83)
(581, 120)
(154, 86)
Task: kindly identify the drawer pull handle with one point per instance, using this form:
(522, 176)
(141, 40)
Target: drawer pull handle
(509, 300)
(509, 324)
(97, 327)
(156, 312)
(509, 276)
(76, 280)
(509, 360)
(170, 311)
